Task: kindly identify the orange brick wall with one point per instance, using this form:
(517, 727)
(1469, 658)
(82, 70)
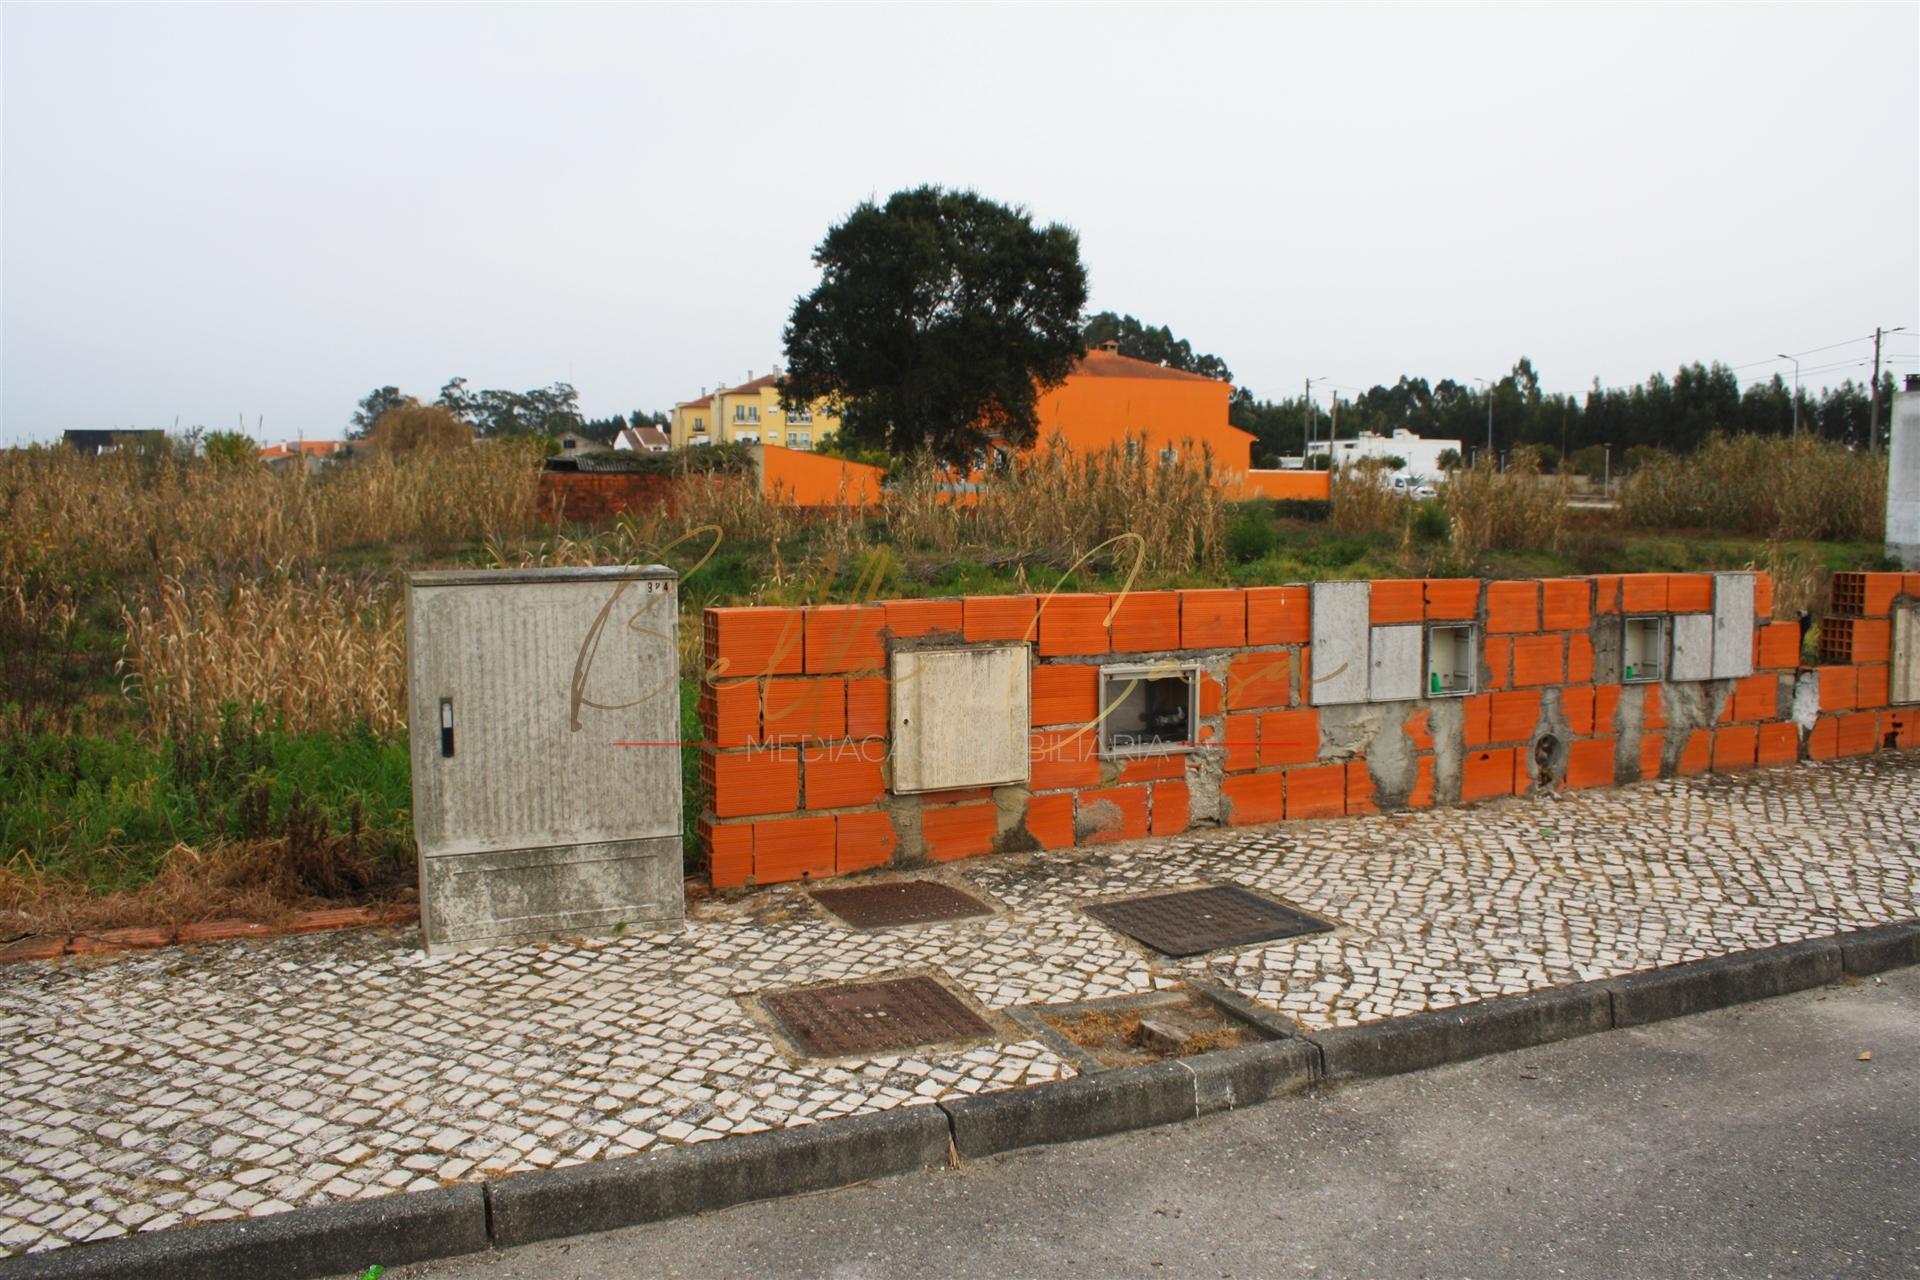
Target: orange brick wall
(595, 497)
(794, 712)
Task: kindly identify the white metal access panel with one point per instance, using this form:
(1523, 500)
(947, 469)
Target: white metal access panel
(544, 709)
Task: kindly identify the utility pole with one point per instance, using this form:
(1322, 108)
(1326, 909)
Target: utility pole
(1796, 390)
(1312, 426)
(1873, 400)
(1489, 385)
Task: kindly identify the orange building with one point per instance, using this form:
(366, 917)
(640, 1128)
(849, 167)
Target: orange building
(803, 479)
(1110, 397)
(1107, 399)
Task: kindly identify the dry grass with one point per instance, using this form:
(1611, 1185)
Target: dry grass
(1770, 487)
(316, 650)
(1513, 510)
(1800, 582)
(71, 520)
(1362, 501)
(262, 879)
(1058, 506)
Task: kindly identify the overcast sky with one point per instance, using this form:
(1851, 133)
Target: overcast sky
(217, 213)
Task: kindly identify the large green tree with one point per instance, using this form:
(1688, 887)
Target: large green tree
(1154, 345)
(939, 318)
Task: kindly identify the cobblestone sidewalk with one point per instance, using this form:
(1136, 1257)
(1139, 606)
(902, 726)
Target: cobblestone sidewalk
(151, 1090)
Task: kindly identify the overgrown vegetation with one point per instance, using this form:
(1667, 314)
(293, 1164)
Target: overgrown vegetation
(1798, 487)
(204, 712)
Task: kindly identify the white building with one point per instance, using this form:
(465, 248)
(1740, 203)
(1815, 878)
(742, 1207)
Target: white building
(1421, 456)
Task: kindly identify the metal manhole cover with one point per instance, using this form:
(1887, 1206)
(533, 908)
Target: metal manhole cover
(873, 1017)
(1196, 920)
(900, 902)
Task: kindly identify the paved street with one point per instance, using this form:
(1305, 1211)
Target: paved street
(151, 1090)
(1744, 1143)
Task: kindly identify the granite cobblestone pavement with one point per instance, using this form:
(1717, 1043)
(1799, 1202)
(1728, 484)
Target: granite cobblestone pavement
(143, 1091)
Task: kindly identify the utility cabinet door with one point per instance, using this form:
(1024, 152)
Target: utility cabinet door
(523, 688)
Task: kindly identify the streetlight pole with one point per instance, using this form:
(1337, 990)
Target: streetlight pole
(1796, 389)
(1312, 426)
(1606, 469)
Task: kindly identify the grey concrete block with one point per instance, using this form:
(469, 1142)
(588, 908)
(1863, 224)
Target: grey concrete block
(517, 895)
(1891, 946)
(1113, 1102)
(1468, 1031)
(1681, 989)
(1394, 664)
(1342, 614)
(1692, 647)
(603, 1194)
(1251, 1074)
(343, 1238)
(1733, 596)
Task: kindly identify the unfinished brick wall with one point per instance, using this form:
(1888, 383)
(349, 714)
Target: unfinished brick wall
(795, 709)
(595, 497)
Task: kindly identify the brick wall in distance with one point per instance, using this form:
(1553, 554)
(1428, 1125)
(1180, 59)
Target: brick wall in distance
(794, 709)
(595, 497)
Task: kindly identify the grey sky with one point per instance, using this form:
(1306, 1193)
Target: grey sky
(209, 212)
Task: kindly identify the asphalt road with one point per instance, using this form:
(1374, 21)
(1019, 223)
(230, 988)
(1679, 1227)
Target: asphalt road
(1749, 1142)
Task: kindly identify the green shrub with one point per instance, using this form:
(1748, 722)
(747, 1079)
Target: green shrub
(1250, 532)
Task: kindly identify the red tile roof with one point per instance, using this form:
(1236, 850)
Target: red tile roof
(764, 380)
(1111, 364)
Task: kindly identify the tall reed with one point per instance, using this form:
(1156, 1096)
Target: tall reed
(1767, 486)
(1517, 509)
(315, 650)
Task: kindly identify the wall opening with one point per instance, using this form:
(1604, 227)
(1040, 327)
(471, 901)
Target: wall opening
(1453, 661)
(1147, 709)
(1643, 650)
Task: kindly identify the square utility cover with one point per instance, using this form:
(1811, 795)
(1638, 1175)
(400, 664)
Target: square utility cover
(1192, 921)
(900, 902)
(867, 1018)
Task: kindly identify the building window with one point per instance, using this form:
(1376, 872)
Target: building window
(800, 417)
(746, 413)
(699, 425)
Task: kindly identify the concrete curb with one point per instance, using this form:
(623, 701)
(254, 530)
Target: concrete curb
(1425, 1040)
(332, 1240)
(1701, 985)
(602, 1195)
(1891, 946)
(1085, 1107)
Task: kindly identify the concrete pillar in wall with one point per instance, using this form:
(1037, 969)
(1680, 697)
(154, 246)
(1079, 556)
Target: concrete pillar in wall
(1341, 660)
(1903, 477)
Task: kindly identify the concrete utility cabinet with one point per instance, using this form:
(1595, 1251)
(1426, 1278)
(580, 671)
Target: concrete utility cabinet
(531, 814)
(1903, 477)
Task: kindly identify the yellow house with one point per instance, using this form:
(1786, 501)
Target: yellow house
(691, 423)
(751, 414)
